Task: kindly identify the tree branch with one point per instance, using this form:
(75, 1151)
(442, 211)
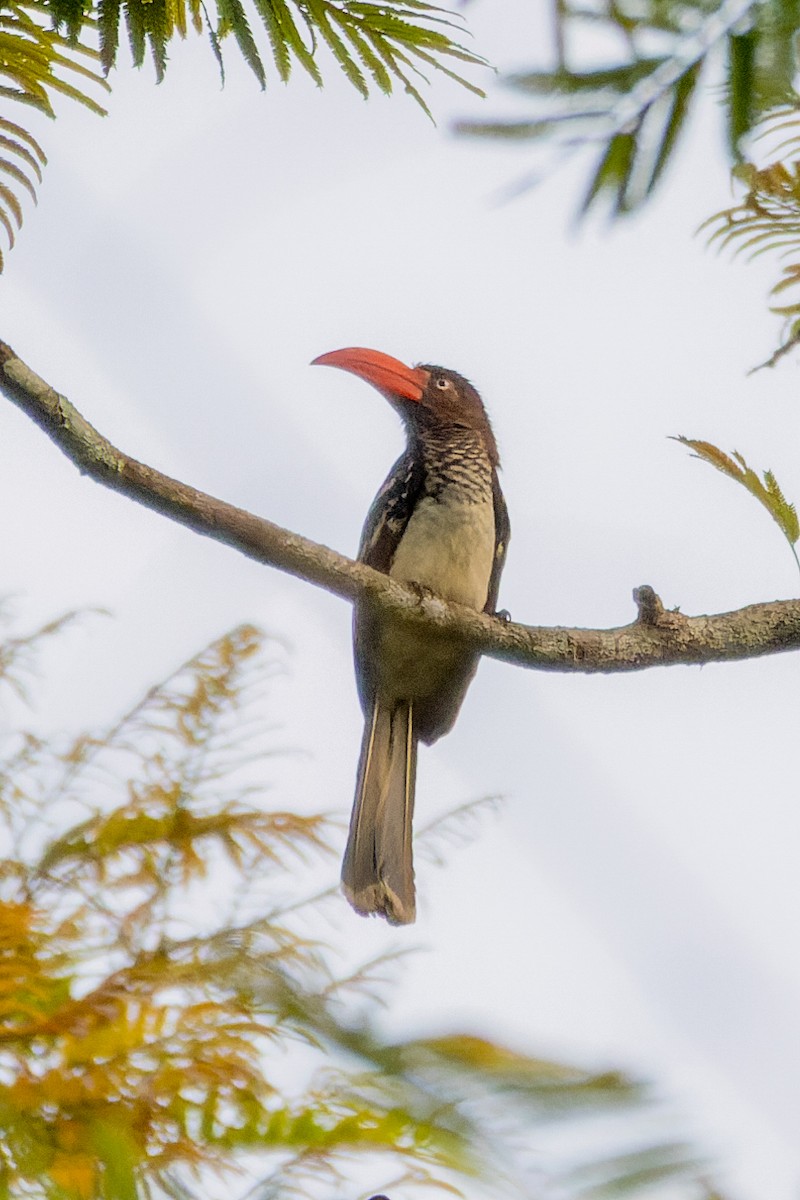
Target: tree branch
(656, 638)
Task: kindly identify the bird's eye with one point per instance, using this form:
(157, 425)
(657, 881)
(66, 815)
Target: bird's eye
(441, 382)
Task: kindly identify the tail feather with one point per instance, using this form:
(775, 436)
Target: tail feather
(378, 868)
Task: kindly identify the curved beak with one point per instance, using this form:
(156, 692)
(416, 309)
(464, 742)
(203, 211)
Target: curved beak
(390, 376)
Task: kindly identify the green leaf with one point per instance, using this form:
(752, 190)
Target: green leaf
(681, 99)
(233, 14)
(624, 1174)
(9, 228)
(281, 54)
(741, 93)
(513, 131)
(291, 35)
(393, 58)
(777, 23)
(108, 14)
(159, 32)
(613, 172)
(766, 490)
(74, 93)
(216, 48)
(10, 168)
(369, 58)
(10, 202)
(22, 135)
(137, 30)
(562, 82)
(397, 39)
(317, 10)
(23, 152)
(69, 14)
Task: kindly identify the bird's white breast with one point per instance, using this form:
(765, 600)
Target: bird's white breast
(448, 547)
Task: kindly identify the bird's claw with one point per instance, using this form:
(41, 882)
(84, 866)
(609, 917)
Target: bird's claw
(503, 615)
(420, 590)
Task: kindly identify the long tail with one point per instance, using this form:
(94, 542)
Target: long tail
(378, 869)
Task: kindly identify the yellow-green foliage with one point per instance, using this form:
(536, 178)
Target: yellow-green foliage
(145, 1029)
(35, 63)
(45, 44)
(766, 220)
(374, 42)
(765, 489)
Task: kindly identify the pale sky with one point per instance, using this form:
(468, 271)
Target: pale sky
(634, 902)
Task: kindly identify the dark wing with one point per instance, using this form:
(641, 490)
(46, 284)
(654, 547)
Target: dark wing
(502, 532)
(390, 512)
(385, 525)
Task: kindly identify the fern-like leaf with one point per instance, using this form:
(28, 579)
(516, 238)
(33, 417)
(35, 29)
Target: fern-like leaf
(375, 43)
(372, 62)
(766, 220)
(35, 62)
(234, 19)
(318, 14)
(291, 33)
(108, 16)
(376, 35)
(765, 489)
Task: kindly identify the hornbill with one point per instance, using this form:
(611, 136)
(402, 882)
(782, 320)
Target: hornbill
(439, 524)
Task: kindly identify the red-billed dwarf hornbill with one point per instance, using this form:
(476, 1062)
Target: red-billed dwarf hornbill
(439, 523)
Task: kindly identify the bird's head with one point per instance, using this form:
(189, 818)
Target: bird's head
(426, 396)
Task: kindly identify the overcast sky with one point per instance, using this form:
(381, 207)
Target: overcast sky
(634, 902)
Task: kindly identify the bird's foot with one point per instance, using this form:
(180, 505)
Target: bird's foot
(420, 590)
(503, 615)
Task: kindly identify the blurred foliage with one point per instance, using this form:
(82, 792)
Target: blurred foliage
(624, 81)
(162, 976)
(766, 489)
(44, 43)
(766, 220)
(633, 106)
